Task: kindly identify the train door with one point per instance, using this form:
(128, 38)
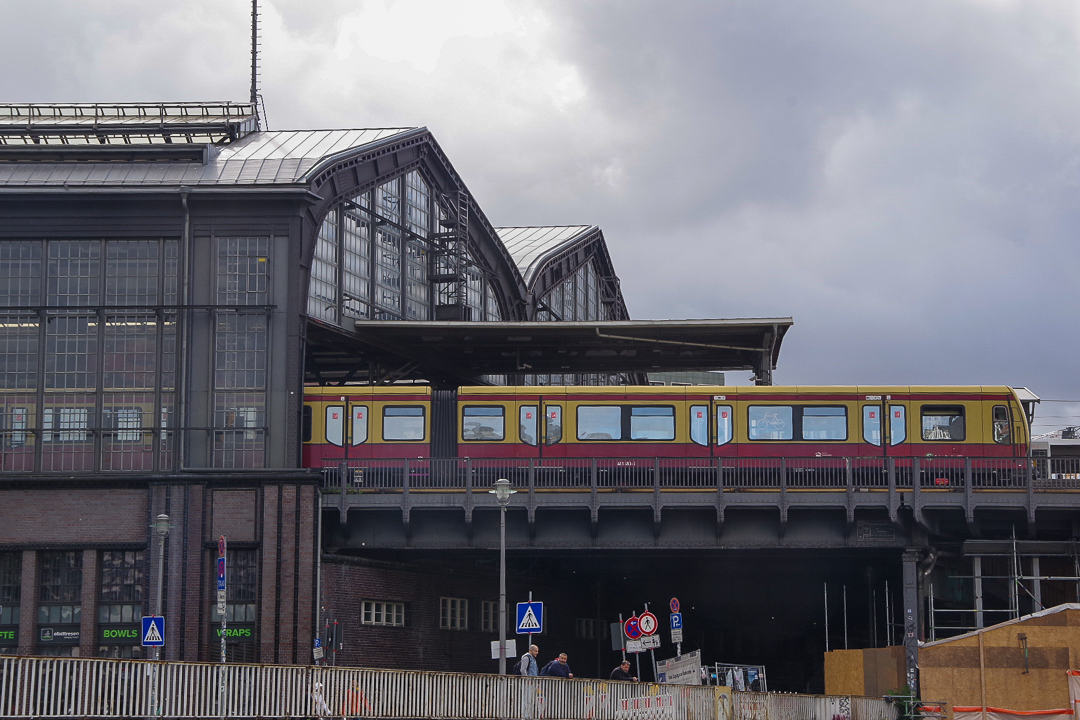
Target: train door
(1004, 431)
(884, 426)
(345, 424)
(552, 424)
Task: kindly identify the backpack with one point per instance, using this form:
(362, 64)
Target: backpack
(522, 667)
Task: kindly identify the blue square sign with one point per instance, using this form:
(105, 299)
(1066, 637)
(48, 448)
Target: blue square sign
(530, 618)
(153, 631)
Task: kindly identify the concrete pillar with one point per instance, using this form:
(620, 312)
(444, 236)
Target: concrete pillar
(28, 603)
(911, 616)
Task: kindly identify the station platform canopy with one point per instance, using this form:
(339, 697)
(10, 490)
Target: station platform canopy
(468, 353)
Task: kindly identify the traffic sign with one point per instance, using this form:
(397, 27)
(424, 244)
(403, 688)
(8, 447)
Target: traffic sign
(634, 646)
(153, 631)
(676, 636)
(632, 628)
(651, 641)
(676, 621)
(530, 618)
(674, 605)
(648, 623)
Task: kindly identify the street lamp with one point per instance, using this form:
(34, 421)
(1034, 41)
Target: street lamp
(161, 529)
(502, 493)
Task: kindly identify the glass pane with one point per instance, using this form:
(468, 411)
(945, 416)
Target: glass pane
(897, 424)
(359, 424)
(770, 422)
(599, 422)
(871, 424)
(652, 423)
(335, 425)
(1002, 428)
(403, 423)
(699, 424)
(528, 422)
(553, 424)
(824, 423)
(943, 423)
(483, 423)
(724, 428)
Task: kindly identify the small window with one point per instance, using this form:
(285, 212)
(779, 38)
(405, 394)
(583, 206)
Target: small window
(552, 424)
(335, 425)
(453, 613)
(305, 424)
(699, 424)
(486, 422)
(489, 616)
(599, 422)
(871, 424)
(359, 424)
(403, 423)
(652, 423)
(770, 422)
(381, 612)
(528, 424)
(824, 423)
(1002, 427)
(585, 628)
(897, 424)
(943, 423)
(724, 426)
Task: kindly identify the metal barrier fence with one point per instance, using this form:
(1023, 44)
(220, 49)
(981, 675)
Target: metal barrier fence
(71, 687)
(744, 473)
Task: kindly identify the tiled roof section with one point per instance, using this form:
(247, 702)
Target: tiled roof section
(529, 245)
(284, 157)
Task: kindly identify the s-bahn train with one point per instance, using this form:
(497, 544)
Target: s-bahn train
(365, 422)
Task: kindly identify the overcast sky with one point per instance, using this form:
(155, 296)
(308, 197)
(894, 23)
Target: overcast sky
(901, 178)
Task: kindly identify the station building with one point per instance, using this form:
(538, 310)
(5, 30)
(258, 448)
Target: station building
(171, 276)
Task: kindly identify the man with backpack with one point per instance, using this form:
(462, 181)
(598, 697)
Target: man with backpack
(527, 665)
(557, 668)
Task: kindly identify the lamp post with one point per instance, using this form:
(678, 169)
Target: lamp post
(161, 529)
(502, 493)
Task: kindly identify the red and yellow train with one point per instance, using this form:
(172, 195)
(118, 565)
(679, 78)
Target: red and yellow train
(665, 422)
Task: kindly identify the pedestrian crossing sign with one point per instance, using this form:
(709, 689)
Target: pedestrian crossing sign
(530, 618)
(153, 631)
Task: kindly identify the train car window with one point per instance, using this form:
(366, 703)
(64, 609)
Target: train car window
(770, 422)
(943, 422)
(71, 422)
(824, 423)
(403, 423)
(18, 423)
(528, 424)
(359, 424)
(897, 424)
(552, 424)
(652, 423)
(335, 425)
(725, 428)
(871, 424)
(485, 422)
(305, 424)
(599, 422)
(1002, 426)
(699, 424)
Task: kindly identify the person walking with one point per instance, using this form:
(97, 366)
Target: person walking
(623, 672)
(557, 668)
(527, 665)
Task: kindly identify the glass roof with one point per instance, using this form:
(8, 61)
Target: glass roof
(529, 245)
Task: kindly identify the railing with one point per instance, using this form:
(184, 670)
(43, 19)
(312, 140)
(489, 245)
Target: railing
(955, 474)
(67, 687)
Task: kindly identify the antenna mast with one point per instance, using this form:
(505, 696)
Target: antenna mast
(255, 56)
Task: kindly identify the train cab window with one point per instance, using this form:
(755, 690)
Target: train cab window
(485, 422)
(699, 424)
(824, 423)
(1002, 428)
(359, 424)
(943, 422)
(403, 423)
(770, 422)
(528, 424)
(305, 424)
(552, 424)
(599, 422)
(724, 424)
(335, 424)
(652, 423)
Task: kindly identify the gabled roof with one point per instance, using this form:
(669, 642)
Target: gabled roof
(529, 246)
(975, 633)
(282, 157)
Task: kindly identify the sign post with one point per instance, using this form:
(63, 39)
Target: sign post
(222, 546)
(676, 626)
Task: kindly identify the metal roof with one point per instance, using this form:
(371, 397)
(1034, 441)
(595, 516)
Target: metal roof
(529, 246)
(460, 353)
(283, 157)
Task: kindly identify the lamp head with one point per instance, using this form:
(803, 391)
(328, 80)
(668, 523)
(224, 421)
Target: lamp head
(503, 490)
(161, 525)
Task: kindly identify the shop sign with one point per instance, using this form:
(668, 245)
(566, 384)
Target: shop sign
(118, 634)
(9, 635)
(236, 632)
(68, 634)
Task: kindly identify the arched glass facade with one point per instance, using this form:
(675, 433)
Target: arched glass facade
(376, 258)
